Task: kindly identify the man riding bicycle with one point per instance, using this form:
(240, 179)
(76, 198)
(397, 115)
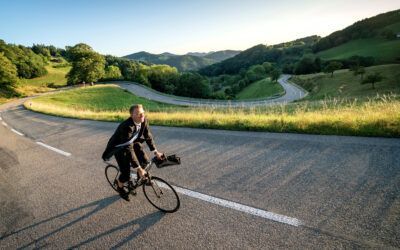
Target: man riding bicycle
(126, 145)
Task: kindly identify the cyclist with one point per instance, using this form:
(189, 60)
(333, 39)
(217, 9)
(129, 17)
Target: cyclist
(126, 145)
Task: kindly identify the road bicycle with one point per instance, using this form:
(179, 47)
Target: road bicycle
(157, 191)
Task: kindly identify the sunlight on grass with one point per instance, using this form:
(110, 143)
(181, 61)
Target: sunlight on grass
(261, 90)
(378, 116)
(54, 79)
(345, 84)
(382, 49)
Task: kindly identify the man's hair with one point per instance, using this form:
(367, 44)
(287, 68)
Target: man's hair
(135, 106)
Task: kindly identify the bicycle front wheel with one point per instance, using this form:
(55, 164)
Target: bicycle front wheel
(112, 173)
(161, 195)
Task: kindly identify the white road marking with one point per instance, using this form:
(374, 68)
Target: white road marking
(5, 124)
(54, 149)
(239, 207)
(17, 132)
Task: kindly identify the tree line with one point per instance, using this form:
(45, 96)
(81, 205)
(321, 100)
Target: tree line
(89, 66)
(17, 61)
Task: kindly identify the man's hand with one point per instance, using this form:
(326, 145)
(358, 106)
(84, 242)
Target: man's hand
(141, 172)
(159, 155)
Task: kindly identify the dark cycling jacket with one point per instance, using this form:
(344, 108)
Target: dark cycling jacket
(125, 131)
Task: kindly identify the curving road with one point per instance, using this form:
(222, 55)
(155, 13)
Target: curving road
(292, 93)
(343, 192)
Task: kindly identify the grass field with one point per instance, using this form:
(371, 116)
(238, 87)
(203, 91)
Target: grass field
(379, 116)
(395, 27)
(261, 89)
(100, 98)
(345, 84)
(54, 79)
(383, 50)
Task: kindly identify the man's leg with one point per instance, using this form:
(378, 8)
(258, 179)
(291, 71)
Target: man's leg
(123, 160)
(140, 154)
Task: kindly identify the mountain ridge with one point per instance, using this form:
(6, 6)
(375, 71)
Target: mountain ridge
(189, 61)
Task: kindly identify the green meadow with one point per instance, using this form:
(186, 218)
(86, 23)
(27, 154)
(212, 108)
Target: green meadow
(344, 84)
(54, 79)
(261, 89)
(383, 50)
(379, 116)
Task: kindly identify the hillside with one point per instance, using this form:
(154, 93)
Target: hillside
(376, 26)
(383, 50)
(279, 53)
(188, 62)
(217, 56)
(344, 84)
(261, 89)
(372, 38)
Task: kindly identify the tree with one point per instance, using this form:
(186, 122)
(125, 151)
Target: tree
(359, 70)
(252, 76)
(317, 63)
(128, 68)
(259, 70)
(8, 72)
(193, 85)
(388, 34)
(373, 78)
(160, 75)
(112, 73)
(305, 66)
(41, 49)
(229, 93)
(78, 51)
(29, 64)
(275, 73)
(87, 65)
(332, 67)
(268, 67)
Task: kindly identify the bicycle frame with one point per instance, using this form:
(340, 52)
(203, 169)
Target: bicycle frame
(140, 181)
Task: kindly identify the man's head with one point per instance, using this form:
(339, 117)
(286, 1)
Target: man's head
(137, 113)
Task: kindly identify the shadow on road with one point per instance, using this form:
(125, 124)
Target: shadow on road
(144, 223)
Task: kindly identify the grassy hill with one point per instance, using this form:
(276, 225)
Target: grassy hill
(260, 89)
(344, 84)
(279, 53)
(371, 37)
(383, 50)
(54, 79)
(367, 28)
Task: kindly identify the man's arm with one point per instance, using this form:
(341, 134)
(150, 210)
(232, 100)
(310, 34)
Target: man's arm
(148, 137)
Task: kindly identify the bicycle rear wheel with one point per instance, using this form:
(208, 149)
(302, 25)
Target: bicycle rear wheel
(161, 195)
(112, 173)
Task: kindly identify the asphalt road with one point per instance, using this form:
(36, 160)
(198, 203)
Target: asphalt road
(292, 93)
(344, 190)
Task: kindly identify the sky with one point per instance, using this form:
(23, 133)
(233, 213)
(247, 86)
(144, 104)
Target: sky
(122, 27)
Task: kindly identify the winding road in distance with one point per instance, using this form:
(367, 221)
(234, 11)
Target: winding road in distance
(292, 93)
